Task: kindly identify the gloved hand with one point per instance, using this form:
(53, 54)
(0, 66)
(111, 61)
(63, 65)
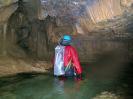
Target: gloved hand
(78, 77)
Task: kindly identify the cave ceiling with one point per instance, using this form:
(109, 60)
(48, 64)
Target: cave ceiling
(85, 15)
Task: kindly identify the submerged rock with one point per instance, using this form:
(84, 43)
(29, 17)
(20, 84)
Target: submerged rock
(107, 95)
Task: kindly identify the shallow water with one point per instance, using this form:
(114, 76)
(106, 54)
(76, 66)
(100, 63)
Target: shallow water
(36, 86)
(48, 87)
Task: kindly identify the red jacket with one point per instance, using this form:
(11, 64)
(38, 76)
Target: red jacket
(71, 54)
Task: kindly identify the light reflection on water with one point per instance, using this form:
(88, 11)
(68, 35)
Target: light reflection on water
(59, 86)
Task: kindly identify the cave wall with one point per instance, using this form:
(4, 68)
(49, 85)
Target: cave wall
(103, 9)
(6, 9)
(94, 22)
(32, 28)
(27, 35)
(88, 17)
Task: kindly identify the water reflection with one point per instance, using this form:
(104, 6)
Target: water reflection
(47, 87)
(41, 87)
(69, 85)
(59, 85)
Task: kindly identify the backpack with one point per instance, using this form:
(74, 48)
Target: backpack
(59, 60)
(69, 70)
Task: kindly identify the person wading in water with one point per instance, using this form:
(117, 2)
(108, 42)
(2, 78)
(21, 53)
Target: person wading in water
(66, 61)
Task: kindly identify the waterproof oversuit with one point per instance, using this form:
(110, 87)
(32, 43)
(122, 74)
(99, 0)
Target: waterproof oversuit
(70, 54)
(66, 61)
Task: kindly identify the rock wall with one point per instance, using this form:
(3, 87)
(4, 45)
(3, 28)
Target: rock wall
(103, 14)
(28, 33)
(6, 9)
(33, 27)
(88, 16)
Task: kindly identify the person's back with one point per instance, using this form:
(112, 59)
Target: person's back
(70, 55)
(70, 60)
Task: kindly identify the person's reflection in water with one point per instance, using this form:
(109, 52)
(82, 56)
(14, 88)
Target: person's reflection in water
(59, 85)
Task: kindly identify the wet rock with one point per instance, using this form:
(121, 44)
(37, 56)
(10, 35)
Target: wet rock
(11, 66)
(107, 95)
(42, 65)
(7, 2)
